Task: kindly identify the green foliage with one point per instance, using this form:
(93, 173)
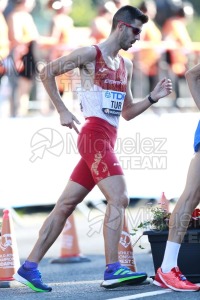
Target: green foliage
(193, 29)
(83, 12)
(135, 2)
(160, 219)
(196, 5)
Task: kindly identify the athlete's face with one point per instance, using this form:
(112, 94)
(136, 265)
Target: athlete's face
(131, 33)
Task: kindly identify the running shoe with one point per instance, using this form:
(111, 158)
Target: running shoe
(157, 281)
(176, 281)
(31, 278)
(121, 275)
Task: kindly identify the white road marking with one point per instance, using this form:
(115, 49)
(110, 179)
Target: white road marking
(141, 295)
(130, 297)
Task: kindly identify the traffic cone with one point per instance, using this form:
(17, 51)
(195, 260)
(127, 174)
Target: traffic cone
(125, 249)
(70, 251)
(9, 258)
(164, 202)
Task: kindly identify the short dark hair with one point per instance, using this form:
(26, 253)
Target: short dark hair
(127, 14)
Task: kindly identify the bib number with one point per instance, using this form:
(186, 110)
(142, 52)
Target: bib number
(112, 102)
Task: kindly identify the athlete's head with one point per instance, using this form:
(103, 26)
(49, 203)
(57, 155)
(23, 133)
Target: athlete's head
(128, 14)
(127, 26)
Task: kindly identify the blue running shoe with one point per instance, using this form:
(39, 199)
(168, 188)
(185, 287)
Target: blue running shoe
(121, 275)
(31, 278)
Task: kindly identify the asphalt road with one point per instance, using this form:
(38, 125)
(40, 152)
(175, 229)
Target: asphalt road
(82, 280)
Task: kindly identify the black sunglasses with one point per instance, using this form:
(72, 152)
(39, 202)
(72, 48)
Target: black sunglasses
(135, 30)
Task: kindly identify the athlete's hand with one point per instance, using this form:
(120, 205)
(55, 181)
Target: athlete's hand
(162, 89)
(68, 119)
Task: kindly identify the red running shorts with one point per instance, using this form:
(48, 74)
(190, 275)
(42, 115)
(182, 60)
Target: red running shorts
(96, 146)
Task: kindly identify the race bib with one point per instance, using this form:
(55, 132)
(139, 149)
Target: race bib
(112, 102)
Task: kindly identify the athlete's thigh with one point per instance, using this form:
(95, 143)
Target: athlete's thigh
(82, 175)
(98, 153)
(73, 193)
(114, 187)
(79, 184)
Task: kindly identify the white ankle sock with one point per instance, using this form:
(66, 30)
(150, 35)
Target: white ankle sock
(170, 256)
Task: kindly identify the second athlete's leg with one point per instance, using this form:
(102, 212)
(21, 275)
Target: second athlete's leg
(169, 274)
(189, 199)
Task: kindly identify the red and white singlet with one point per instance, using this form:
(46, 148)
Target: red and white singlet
(105, 99)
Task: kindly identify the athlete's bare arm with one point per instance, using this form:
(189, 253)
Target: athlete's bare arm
(131, 109)
(193, 80)
(82, 58)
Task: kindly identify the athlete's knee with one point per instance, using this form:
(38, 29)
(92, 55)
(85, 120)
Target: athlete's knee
(121, 200)
(125, 200)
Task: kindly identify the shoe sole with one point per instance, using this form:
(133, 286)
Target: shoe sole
(113, 283)
(145, 282)
(162, 285)
(19, 278)
(176, 289)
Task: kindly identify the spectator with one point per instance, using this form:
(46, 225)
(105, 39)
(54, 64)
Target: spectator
(4, 41)
(4, 52)
(176, 34)
(100, 26)
(166, 9)
(148, 56)
(61, 26)
(120, 3)
(61, 30)
(23, 35)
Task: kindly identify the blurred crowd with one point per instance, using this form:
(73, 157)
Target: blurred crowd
(165, 49)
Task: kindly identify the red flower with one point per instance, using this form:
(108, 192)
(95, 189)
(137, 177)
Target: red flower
(196, 213)
(195, 219)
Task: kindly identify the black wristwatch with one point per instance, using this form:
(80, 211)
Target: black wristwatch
(151, 100)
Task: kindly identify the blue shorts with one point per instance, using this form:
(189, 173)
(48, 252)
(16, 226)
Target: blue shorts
(197, 138)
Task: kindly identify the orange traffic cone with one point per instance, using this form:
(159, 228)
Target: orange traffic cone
(125, 249)
(9, 258)
(70, 252)
(164, 203)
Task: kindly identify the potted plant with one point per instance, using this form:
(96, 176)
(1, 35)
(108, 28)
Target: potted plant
(189, 254)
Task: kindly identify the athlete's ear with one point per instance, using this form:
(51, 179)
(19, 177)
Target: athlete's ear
(120, 26)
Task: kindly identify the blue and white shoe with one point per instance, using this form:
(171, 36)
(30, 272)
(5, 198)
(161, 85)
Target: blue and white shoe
(121, 275)
(31, 278)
